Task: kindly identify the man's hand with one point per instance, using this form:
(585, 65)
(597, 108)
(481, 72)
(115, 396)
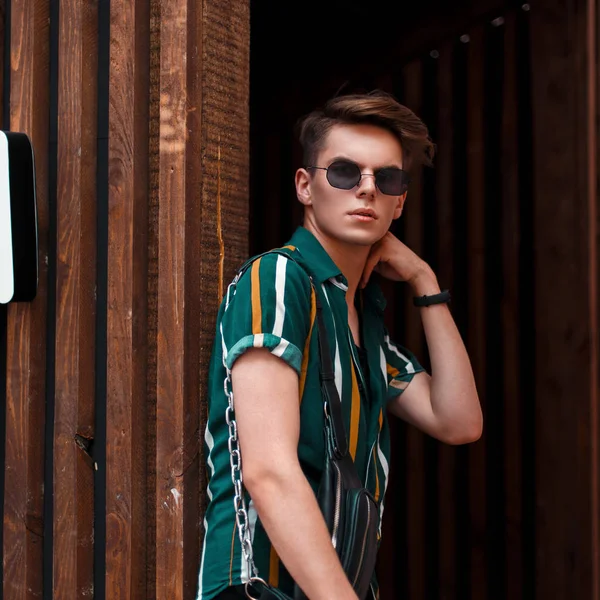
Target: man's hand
(394, 260)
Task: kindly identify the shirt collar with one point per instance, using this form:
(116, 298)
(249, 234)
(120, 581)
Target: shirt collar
(323, 268)
(316, 257)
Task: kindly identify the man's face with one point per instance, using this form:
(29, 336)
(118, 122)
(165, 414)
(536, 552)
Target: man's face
(333, 212)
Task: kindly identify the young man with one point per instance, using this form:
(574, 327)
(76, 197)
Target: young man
(357, 151)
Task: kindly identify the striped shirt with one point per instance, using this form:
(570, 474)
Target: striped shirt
(273, 305)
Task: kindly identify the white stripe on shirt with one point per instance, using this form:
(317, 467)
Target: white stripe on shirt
(386, 470)
(210, 442)
(383, 364)
(409, 366)
(281, 348)
(280, 295)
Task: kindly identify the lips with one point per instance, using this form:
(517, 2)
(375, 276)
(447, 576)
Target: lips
(364, 212)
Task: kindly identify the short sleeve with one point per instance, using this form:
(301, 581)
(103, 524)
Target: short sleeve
(269, 308)
(401, 366)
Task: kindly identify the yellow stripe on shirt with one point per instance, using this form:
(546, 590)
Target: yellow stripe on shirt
(304, 369)
(273, 568)
(392, 371)
(375, 450)
(231, 555)
(256, 308)
(354, 412)
(376, 474)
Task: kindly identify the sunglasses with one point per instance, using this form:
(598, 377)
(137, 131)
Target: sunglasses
(345, 174)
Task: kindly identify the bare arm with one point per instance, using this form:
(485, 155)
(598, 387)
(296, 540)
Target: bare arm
(268, 419)
(445, 405)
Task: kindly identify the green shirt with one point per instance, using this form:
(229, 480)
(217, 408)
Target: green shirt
(272, 305)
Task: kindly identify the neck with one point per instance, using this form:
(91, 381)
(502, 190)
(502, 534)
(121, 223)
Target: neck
(349, 258)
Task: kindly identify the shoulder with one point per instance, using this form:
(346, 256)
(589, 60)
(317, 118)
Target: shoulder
(279, 266)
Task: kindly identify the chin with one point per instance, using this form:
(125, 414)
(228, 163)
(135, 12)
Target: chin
(359, 238)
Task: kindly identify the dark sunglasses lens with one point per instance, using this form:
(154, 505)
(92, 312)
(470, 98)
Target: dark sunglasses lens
(343, 175)
(393, 182)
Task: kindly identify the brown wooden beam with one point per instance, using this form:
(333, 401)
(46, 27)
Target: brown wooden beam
(26, 323)
(75, 299)
(127, 403)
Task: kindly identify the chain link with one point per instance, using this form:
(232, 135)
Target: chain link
(235, 459)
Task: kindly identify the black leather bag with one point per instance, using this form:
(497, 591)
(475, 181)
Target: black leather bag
(349, 509)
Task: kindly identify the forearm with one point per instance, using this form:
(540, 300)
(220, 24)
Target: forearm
(293, 521)
(454, 399)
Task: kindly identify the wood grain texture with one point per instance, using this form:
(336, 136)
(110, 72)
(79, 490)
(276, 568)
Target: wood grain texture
(75, 300)
(415, 341)
(26, 323)
(171, 300)
(565, 245)
(127, 414)
(153, 278)
(225, 169)
(193, 302)
(511, 244)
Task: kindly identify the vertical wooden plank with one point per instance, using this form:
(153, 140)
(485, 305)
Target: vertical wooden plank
(476, 288)
(127, 415)
(415, 450)
(511, 243)
(153, 277)
(140, 410)
(26, 331)
(171, 295)
(446, 241)
(225, 168)
(592, 35)
(566, 361)
(193, 302)
(75, 299)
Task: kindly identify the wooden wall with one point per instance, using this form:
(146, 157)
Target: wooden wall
(508, 220)
(137, 114)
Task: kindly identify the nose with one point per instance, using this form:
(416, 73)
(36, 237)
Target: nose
(366, 185)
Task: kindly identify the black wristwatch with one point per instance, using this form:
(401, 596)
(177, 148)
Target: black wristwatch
(441, 298)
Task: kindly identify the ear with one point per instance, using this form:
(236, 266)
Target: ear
(303, 187)
(399, 206)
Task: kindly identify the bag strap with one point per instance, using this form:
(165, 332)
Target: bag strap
(331, 398)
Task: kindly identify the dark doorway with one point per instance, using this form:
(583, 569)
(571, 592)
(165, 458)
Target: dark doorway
(460, 522)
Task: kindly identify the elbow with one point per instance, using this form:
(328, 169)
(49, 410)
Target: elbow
(463, 433)
(464, 437)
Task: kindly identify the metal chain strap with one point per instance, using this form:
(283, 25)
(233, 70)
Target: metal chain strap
(235, 459)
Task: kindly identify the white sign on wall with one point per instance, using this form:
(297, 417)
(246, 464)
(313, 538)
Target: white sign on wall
(18, 220)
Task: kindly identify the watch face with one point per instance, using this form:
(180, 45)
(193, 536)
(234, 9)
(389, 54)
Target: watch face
(18, 219)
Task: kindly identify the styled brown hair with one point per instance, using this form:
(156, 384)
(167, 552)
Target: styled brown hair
(373, 108)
